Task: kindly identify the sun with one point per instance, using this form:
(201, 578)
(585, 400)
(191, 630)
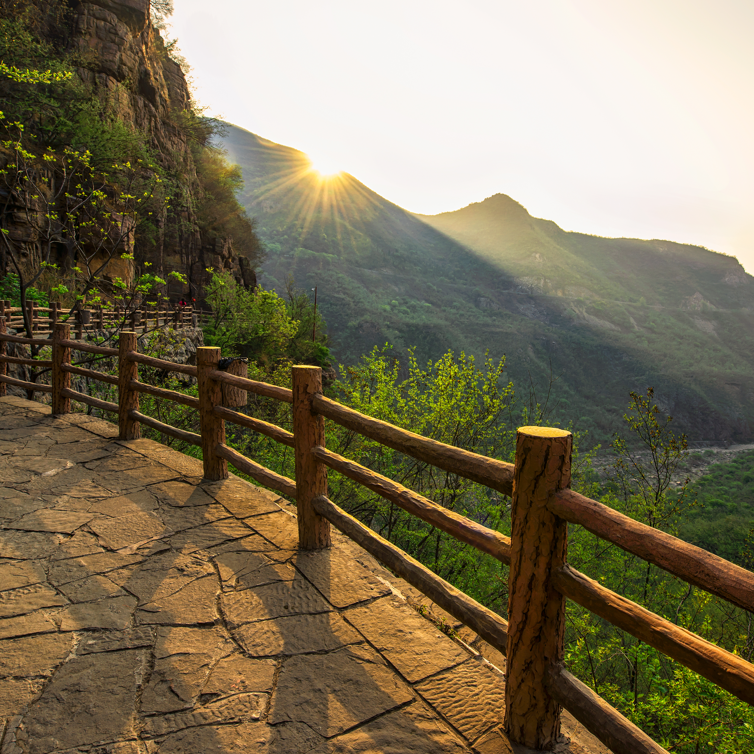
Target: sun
(324, 165)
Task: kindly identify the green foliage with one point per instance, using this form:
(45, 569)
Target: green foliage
(10, 290)
(219, 214)
(724, 519)
(672, 704)
(260, 325)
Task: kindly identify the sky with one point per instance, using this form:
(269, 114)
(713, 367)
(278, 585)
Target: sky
(623, 118)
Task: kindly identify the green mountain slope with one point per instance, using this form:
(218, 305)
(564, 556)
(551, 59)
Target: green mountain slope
(601, 316)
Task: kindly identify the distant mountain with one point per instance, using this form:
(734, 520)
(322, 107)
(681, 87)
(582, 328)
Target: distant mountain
(600, 316)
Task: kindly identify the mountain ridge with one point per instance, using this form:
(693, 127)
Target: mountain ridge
(599, 316)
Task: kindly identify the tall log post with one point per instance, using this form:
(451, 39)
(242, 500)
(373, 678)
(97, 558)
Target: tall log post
(54, 313)
(212, 427)
(3, 352)
(128, 399)
(311, 475)
(536, 610)
(60, 355)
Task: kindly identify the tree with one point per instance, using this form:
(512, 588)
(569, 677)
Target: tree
(670, 702)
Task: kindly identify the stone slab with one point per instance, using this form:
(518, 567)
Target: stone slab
(296, 634)
(27, 625)
(276, 600)
(53, 521)
(411, 643)
(90, 699)
(115, 613)
(241, 498)
(27, 599)
(15, 574)
(183, 660)
(412, 729)
(33, 655)
(335, 692)
(470, 696)
(236, 674)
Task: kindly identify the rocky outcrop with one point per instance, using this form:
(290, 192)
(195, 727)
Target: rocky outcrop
(126, 62)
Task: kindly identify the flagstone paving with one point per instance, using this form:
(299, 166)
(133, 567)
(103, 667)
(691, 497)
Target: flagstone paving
(144, 611)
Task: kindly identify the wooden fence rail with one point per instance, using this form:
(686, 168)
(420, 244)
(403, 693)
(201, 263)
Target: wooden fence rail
(144, 318)
(540, 579)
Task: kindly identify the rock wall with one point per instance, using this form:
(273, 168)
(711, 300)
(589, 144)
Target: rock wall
(125, 60)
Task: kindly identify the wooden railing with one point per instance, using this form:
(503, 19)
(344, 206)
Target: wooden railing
(141, 318)
(540, 579)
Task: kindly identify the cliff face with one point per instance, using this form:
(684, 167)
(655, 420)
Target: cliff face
(125, 61)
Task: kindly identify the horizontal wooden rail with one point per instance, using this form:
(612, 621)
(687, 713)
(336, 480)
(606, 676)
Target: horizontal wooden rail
(166, 429)
(264, 428)
(620, 735)
(252, 386)
(26, 341)
(487, 624)
(168, 366)
(688, 562)
(35, 386)
(495, 474)
(89, 400)
(91, 374)
(260, 473)
(464, 529)
(724, 669)
(27, 362)
(80, 345)
(169, 395)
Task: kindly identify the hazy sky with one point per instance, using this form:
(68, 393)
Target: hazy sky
(620, 118)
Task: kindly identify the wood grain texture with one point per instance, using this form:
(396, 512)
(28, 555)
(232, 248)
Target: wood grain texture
(27, 341)
(495, 474)
(92, 374)
(35, 387)
(536, 610)
(728, 671)
(212, 426)
(487, 624)
(3, 351)
(234, 396)
(168, 395)
(78, 345)
(253, 386)
(89, 400)
(462, 528)
(128, 400)
(26, 362)
(257, 472)
(166, 429)
(690, 563)
(167, 366)
(311, 475)
(265, 428)
(61, 379)
(620, 735)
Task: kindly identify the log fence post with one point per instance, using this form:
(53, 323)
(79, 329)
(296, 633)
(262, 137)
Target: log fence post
(30, 311)
(129, 429)
(536, 610)
(60, 355)
(212, 427)
(3, 352)
(79, 324)
(54, 313)
(311, 475)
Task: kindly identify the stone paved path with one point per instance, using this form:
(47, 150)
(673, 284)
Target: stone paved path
(143, 611)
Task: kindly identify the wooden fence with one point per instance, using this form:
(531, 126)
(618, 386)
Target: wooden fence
(537, 683)
(142, 318)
